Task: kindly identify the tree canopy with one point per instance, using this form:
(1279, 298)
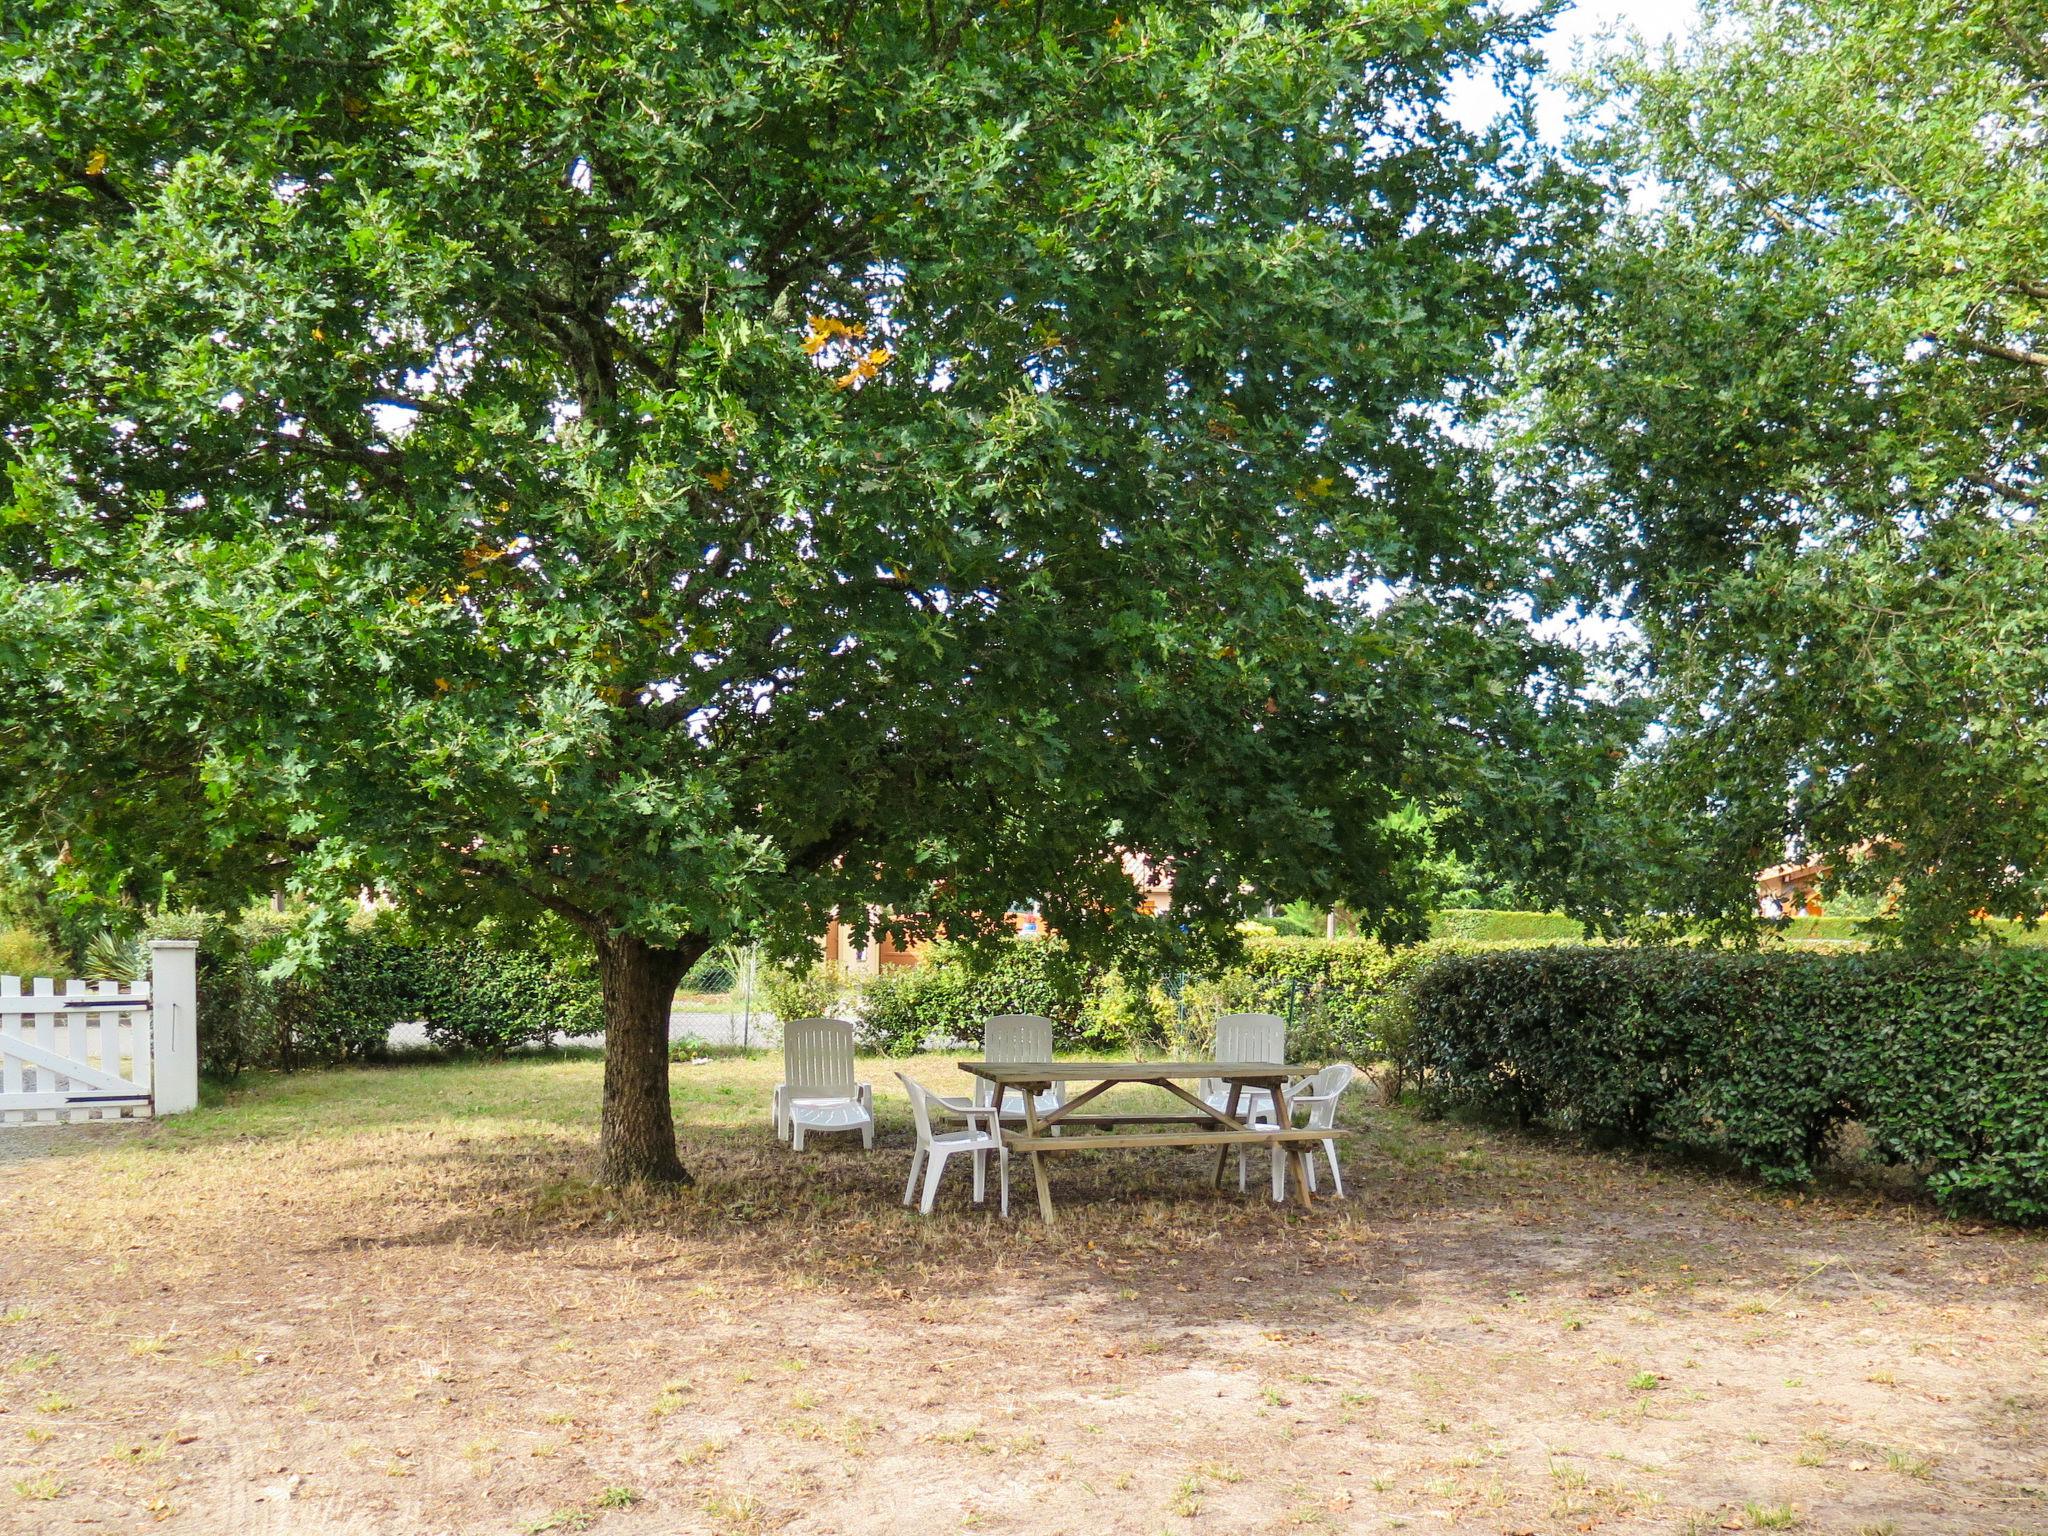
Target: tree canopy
(1795, 422)
(696, 468)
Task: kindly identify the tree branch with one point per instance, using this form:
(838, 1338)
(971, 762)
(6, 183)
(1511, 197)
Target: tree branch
(2000, 350)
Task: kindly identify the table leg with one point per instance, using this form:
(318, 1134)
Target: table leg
(1284, 1118)
(1223, 1152)
(1037, 1166)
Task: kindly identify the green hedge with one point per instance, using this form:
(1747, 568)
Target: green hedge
(480, 997)
(955, 991)
(1343, 998)
(1481, 925)
(1941, 1060)
(486, 993)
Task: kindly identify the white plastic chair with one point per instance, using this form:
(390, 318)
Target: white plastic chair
(1018, 1037)
(1260, 1037)
(1318, 1093)
(933, 1148)
(818, 1091)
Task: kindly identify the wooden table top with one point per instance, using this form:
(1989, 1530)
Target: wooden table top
(1012, 1072)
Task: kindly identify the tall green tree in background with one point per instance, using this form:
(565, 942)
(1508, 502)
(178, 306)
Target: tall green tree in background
(1798, 425)
(692, 468)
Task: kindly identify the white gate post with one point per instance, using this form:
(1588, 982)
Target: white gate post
(174, 1024)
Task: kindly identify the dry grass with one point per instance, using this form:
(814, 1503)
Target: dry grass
(391, 1301)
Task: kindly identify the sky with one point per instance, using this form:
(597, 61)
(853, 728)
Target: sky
(1580, 28)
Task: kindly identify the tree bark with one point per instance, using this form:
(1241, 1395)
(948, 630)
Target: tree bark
(637, 1136)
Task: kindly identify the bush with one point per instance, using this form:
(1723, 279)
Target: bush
(24, 952)
(237, 1024)
(1759, 1056)
(1121, 1012)
(483, 993)
(956, 990)
(1484, 925)
(476, 996)
(814, 991)
(1344, 999)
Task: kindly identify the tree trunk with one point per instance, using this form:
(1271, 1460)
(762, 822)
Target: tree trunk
(637, 1139)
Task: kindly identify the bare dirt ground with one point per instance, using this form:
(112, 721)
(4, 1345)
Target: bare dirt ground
(389, 1302)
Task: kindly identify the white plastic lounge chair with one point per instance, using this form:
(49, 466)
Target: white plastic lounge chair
(1318, 1093)
(982, 1136)
(818, 1091)
(1018, 1037)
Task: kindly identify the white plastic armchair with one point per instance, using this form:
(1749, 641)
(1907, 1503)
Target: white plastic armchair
(1258, 1037)
(1318, 1094)
(1018, 1037)
(982, 1136)
(818, 1091)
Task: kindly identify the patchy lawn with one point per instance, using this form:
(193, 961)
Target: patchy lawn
(388, 1301)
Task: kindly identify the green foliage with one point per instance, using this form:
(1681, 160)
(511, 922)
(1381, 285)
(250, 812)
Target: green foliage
(25, 953)
(238, 1006)
(1123, 1012)
(957, 989)
(1492, 926)
(1344, 999)
(813, 991)
(263, 1002)
(1798, 419)
(477, 996)
(1759, 1057)
(1297, 920)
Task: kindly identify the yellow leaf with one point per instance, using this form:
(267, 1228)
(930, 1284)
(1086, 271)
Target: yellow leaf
(718, 479)
(97, 165)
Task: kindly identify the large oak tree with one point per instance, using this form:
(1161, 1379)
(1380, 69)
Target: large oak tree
(690, 468)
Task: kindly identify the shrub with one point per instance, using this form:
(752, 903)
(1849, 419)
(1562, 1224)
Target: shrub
(955, 990)
(478, 996)
(814, 991)
(1122, 1012)
(1759, 1056)
(482, 993)
(237, 1022)
(1485, 925)
(24, 952)
(1343, 998)
(367, 982)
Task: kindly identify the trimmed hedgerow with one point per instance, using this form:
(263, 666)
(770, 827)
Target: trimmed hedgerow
(482, 993)
(475, 996)
(1486, 925)
(1942, 1060)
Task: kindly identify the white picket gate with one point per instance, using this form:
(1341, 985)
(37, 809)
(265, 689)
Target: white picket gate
(101, 1050)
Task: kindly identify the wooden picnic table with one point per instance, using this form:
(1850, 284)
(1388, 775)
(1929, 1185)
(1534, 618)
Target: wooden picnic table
(1206, 1126)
